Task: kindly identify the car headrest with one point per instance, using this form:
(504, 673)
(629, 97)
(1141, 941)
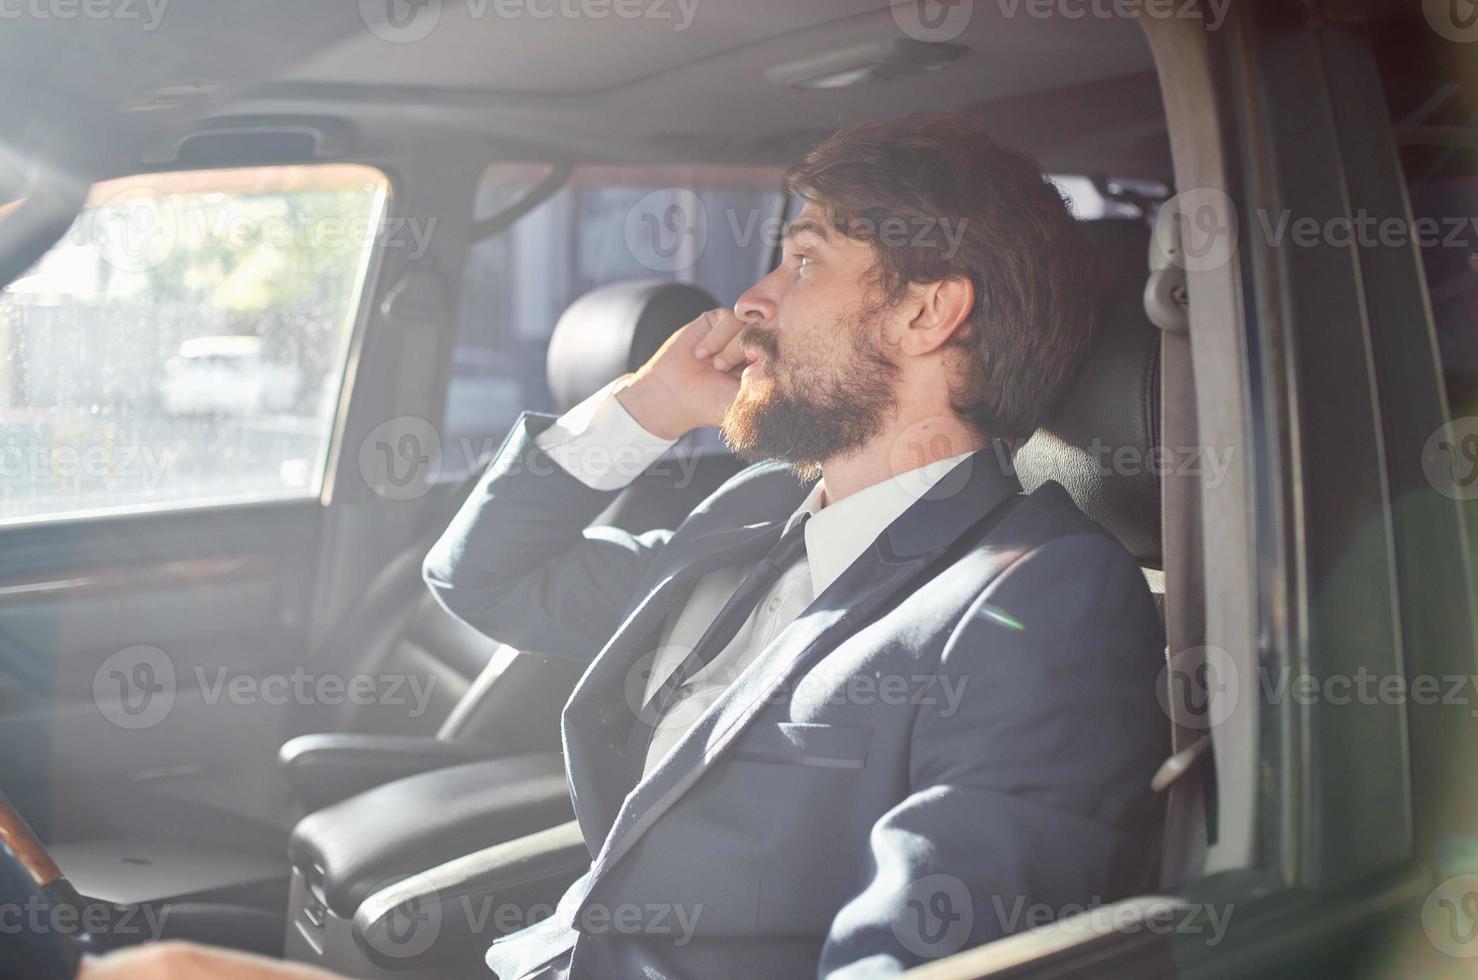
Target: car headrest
(615, 329)
(1099, 438)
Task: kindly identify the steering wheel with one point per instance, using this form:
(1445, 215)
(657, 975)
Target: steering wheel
(38, 908)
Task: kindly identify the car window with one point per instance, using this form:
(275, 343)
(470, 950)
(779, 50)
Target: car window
(712, 226)
(183, 344)
(1434, 115)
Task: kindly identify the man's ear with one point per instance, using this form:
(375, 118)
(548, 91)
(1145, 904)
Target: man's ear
(940, 308)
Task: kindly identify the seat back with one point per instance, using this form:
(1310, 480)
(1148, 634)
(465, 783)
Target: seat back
(1102, 439)
(397, 628)
(1102, 443)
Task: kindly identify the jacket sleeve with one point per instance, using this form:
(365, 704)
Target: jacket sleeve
(1029, 798)
(519, 563)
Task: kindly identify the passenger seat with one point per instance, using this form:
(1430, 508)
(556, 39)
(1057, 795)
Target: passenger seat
(397, 628)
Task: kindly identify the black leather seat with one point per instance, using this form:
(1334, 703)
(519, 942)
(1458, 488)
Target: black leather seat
(1102, 439)
(1102, 443)
(396, 628)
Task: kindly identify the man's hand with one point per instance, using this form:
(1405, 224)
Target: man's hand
(691, 380)
(185, 961)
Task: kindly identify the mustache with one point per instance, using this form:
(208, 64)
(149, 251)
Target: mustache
(761, 339)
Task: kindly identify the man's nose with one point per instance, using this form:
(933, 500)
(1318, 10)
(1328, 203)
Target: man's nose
(755, 306)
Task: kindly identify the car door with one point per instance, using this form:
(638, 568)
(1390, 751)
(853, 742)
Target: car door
(1324, 172)
(172, 373)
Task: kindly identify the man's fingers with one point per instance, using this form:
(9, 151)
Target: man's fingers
(732, 354)
(723, 325)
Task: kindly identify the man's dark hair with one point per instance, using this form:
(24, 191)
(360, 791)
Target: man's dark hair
(938, 198)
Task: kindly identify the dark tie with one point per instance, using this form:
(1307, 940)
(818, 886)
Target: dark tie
(761, 578)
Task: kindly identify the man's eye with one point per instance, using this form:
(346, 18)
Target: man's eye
(802, 260)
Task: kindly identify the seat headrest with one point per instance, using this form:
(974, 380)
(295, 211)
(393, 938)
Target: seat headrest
(615, 329)
(1099, 438)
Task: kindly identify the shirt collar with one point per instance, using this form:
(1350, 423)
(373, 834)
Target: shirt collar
(838, 533)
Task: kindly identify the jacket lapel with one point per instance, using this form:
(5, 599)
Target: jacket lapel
(599, 715)
(968, 494)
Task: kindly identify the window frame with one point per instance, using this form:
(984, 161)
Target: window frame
(359, 313)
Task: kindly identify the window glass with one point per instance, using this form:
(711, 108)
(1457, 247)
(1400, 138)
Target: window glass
(183, 344)
(1431, 88)
(712, 226)
(1088, 203)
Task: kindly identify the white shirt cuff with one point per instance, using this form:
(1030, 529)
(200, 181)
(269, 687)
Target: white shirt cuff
(600, 444)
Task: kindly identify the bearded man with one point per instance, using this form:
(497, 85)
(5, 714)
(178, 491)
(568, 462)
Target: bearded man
(931, 305)
(868, 701)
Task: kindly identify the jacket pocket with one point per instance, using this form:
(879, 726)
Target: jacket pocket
(804, 744)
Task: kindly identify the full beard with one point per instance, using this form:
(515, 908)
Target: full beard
(804, 417)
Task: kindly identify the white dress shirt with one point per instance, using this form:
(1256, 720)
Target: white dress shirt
(601, 445)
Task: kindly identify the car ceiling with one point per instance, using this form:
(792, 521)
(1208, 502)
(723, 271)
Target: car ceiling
(678, 83)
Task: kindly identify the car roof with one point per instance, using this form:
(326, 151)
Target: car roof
(684, 81)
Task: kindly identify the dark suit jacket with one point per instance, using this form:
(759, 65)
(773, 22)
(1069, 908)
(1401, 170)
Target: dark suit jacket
(954, 741)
